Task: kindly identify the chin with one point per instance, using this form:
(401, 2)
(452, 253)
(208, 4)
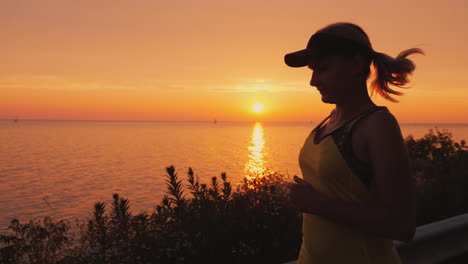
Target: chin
(328, 100)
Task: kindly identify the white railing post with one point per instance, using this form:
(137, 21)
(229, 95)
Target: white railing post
(434, 242)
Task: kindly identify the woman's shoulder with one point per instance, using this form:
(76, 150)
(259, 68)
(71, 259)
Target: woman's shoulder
(380, 125)
(383, 119)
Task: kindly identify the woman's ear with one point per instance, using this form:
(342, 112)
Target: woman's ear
(358, 65)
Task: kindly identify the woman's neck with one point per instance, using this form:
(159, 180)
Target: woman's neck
(352, 107)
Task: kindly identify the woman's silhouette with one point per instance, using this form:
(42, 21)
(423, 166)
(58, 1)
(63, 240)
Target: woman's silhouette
(357, 193)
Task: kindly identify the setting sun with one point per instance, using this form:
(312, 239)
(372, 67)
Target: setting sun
(258, 107)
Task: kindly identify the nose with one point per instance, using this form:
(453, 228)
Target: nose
(313, 80)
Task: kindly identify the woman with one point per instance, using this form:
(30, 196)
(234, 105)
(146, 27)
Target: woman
(357, 194)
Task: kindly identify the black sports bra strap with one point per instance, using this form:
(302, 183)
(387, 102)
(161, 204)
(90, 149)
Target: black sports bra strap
(343, 140)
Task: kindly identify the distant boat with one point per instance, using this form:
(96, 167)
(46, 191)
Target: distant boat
(215, 121)
(15, 120)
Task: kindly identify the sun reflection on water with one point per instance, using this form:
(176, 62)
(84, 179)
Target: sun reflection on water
(255, 165)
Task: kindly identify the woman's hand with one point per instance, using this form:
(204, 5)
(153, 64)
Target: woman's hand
(303, 196)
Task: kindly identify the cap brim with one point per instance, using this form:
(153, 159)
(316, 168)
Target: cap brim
(299, 58)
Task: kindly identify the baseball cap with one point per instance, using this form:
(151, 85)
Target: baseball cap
(335, 39)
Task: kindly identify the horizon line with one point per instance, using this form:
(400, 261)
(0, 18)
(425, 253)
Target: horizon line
(207, 121)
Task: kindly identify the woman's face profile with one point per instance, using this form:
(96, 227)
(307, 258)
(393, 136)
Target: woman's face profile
(333, 76)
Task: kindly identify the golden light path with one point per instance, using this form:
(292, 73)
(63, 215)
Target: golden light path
(255, 165)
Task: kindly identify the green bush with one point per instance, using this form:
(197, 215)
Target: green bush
(253, 223)
(35, 242)
(440, 168)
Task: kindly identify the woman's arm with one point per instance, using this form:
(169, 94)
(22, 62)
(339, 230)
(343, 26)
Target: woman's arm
(392, 215)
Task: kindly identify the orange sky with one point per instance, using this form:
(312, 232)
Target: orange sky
(205, 59)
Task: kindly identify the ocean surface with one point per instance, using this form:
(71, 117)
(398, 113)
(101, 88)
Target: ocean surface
(61, 168)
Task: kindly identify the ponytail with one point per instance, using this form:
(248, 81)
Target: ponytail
(392, 71)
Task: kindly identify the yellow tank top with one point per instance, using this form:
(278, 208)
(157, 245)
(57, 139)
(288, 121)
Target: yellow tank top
(332, 169)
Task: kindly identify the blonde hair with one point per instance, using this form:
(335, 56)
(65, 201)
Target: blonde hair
(392, 71)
